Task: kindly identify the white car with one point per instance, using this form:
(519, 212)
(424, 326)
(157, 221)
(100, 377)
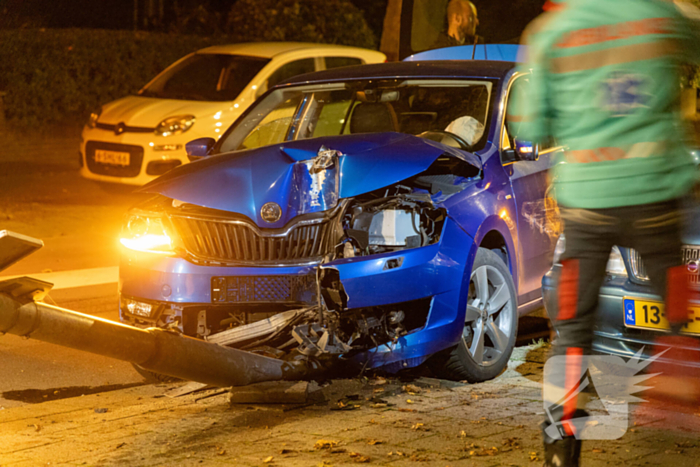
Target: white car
(137, 138)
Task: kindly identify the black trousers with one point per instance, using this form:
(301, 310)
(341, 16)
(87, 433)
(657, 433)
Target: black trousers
(654, 231)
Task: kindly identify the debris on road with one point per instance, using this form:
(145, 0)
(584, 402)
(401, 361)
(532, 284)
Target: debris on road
(272, 392)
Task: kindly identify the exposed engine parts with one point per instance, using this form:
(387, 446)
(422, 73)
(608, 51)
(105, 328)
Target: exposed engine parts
(389, 223)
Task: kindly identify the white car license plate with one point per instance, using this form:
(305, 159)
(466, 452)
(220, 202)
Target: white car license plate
(112, 157)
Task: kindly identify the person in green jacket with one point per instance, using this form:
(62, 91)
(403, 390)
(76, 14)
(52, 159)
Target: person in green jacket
(605, 84)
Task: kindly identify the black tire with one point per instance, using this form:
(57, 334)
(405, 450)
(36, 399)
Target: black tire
(500, 315)
(153, 377)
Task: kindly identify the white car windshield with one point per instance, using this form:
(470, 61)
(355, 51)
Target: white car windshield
(206, 77)
(452, 112)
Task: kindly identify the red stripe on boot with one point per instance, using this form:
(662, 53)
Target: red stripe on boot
(574, 357)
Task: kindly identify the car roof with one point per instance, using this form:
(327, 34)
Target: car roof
(428, 69)
(271, 49)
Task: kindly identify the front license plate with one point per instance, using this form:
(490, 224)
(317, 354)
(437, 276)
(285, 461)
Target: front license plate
(650, 315)
(112, 157)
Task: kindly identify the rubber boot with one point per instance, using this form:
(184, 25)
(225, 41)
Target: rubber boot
(562, 452)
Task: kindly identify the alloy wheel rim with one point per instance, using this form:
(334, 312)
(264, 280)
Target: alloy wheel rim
(489, 319)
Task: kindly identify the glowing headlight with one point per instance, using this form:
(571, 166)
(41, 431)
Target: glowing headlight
(92, 121)
(175, 125)
(146, 233)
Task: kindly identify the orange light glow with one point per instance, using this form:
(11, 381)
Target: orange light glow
(159, 244)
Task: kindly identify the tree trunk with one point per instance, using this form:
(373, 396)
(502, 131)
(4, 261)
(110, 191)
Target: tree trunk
(391, 32)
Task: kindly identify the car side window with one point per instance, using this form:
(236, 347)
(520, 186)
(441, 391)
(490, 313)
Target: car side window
(521, 87)
(291, 69)
(337, 62)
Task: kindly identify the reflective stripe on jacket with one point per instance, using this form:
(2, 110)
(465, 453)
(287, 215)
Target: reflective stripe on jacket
(605, 84)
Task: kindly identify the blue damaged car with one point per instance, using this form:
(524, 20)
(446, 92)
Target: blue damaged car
(379, 215)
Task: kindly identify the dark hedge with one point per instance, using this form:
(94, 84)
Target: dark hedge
(61, 75)
(326, 21)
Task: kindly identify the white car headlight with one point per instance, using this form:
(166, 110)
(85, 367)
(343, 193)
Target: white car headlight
(615, 266)
(142, 232)
(175, 125)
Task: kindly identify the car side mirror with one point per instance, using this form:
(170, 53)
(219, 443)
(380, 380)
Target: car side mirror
(199, 148)
(527, 151)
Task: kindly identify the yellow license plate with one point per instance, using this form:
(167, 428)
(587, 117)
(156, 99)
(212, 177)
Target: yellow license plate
(112, 157)
(650, 315)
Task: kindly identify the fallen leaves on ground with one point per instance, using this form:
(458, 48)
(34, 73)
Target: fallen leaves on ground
(120, 445)
(396, 453)
(533, 457)
(267, 460)
(510, 443)
(492, 451)
(420, 427)
(344, 405)
(373, 442)
(378, 381)
(462, 434)
(359, 458)
(411, 389)
(325, 444)
(408, 410)
(598, 450)
(286, 452)
(419, 458)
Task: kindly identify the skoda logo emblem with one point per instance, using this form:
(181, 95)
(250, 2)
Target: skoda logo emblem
(693, 266)
(119, 128)
(271, 212)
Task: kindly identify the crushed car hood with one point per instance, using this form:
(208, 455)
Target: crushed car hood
(295, 177)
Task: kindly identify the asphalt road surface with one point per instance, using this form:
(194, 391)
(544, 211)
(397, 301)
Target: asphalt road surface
(79, 223)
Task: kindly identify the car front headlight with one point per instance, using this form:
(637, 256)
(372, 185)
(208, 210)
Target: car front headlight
(175, 125)
(148, 233)
(92, 121)
(615, 266)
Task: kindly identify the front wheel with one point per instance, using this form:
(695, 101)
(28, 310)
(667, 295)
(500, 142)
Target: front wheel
(490, 325)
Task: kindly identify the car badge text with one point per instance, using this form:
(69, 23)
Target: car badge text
(271, 212)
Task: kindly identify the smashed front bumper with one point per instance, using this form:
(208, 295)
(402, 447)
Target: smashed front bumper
(428, 278)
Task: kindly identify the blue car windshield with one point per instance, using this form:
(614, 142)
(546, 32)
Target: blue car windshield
(453, 112)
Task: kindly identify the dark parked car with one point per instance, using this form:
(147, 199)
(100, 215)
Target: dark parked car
(630, 315)
(380, 215)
